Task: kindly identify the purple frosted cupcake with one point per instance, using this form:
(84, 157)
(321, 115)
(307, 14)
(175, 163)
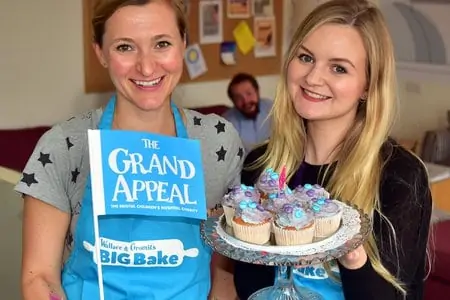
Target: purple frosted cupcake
(252, 223)
(293, 225)
(237, 194)
(277, 200)
(311, 191)
(304, 194)
(268, 183)
(328, 214)
(242, 191)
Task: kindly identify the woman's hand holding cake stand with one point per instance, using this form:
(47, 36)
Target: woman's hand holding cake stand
(355, 259)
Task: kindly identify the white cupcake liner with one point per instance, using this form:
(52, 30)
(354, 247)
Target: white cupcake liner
(292, 237)
(255, 234)
(229, 214)
(327, 226)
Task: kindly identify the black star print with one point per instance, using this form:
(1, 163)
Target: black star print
(240, 152)
(75, 175)
(221, 154)
(44, 159)
(69, 144)
(220, 127)
(197, 121)
(29, 179)
(87, 115)
(76, 210)
(69, 240)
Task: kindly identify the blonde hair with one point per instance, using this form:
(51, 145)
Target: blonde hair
(357, 173)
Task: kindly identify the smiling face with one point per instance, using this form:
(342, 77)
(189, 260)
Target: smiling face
(143, 51)
(246, 98)
(327, 78)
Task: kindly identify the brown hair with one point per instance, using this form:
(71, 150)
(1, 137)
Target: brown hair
(104, 9)
(239, 78)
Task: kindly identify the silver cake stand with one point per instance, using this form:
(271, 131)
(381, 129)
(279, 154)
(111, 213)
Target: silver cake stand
(354, 230)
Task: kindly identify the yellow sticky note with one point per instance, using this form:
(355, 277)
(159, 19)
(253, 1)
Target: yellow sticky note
(244, 37)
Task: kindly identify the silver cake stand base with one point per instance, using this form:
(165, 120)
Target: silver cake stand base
(284, 289)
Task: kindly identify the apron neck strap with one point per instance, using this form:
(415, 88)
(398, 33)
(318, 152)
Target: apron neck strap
(106, 120)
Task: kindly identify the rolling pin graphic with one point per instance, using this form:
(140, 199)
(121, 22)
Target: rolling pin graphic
(154, 253)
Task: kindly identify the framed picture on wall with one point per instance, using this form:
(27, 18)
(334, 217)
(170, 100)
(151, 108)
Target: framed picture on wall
(210, 23)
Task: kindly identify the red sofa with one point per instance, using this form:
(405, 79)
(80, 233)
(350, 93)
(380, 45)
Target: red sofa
(438, 282)
(216, 109)
(16, 145)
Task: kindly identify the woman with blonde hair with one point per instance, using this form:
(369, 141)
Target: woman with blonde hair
(333, 113)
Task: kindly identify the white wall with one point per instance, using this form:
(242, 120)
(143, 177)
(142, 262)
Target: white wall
(41, 73)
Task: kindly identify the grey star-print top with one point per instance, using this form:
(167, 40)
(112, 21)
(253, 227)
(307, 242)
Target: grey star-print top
(57, 170)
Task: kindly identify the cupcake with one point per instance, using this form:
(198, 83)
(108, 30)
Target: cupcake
(268, 183)
(276, 201)
(309, 191)
(293, 225)
(252, 223)
(328, 214)
(237, 194)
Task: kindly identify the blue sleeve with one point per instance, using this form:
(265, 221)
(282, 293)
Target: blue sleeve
(231, 117)
(266, 105)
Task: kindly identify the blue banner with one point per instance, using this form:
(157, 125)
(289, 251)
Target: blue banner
(149, 174)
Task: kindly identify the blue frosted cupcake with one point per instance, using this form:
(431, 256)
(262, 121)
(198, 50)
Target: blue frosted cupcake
(293, 225)
(268, 183)
(237, 194)
(276, 201)
(309, 191)
(252, 223)
(328, 215)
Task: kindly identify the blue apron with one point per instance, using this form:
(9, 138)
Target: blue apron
(178, 268)
(316, 279)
